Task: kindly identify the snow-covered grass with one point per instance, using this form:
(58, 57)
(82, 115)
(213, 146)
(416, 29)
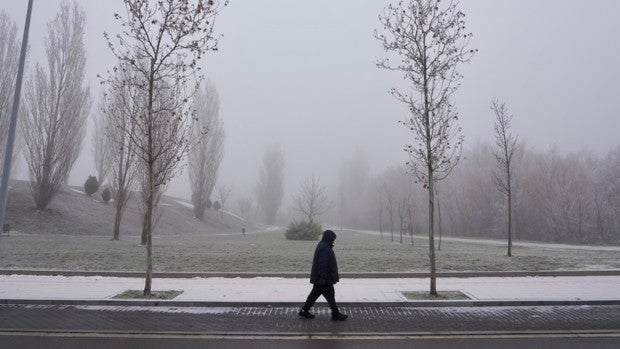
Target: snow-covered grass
(503, 242)
(269, 251)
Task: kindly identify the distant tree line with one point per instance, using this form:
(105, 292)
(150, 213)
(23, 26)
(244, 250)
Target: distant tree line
(571, 198)
(564, 198)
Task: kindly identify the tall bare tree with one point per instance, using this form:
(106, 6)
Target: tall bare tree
(430, 41)
(311, 201)
(271, 184)
(57, 102)
(506, 144)
(205, 157)
(9, 56)
(162, 42)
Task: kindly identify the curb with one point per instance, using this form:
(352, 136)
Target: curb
(412, 304)
(386, 275)
(318, 335)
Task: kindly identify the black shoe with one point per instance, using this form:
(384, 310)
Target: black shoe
(306, 314)
(339, 317)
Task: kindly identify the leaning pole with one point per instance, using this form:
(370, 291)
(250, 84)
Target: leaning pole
(10, 141)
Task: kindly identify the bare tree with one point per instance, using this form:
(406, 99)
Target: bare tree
(205, 157)
(311, 201)
(506, 144)
(101, 147)
(57, 103)
(223, 192)
(9, 56)
(403, 206)
(162, 43)
(119, 105)
(380, 189)
(389, 198)
(271, 184)
(430, 41)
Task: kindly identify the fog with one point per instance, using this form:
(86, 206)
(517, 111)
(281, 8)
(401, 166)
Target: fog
(302, 74)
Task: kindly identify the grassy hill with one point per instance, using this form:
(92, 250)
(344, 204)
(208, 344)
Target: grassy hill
(74, 234)
(72, 212)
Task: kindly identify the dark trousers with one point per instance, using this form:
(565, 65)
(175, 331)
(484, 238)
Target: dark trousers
(326, 291)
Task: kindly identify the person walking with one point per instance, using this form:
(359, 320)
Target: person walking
(323, 276)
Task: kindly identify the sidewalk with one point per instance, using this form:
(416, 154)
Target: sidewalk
(294, 290)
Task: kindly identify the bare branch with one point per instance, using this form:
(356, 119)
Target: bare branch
(311, 201)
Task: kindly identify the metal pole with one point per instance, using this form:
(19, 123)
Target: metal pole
(10, 141)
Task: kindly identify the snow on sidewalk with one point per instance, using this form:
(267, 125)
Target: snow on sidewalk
(295, 290)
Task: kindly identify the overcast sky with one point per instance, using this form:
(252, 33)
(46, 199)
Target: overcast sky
(302, 74)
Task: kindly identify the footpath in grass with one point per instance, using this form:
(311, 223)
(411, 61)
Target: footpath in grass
(271, 252)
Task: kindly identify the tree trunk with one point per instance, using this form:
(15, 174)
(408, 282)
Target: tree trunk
(148, 215)
(438, 218)
(119, 199)
(509, 192)
(381, 215)
(199, 210)
(392, 225)
(431, 233)
(410, 224)
(509, 221)
(117, 221)
(143, 236)
(149, 241)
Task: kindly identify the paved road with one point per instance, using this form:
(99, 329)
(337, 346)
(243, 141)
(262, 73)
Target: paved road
(263, 320)
(32, 341)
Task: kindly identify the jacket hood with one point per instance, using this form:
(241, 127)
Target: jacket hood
(329, 237)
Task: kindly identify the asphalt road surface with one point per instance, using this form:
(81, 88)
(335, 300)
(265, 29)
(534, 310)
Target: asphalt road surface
(369, 326)
(93, 341)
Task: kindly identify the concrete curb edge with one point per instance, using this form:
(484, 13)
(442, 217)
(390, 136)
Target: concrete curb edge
(378, 275)
(173, 303)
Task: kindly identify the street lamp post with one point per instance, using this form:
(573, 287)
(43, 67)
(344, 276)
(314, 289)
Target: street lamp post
(10, 141)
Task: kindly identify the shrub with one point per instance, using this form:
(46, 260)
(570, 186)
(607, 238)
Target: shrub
(303, 231)
(105, 195)
(91, 185)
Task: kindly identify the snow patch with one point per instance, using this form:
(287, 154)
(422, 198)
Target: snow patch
(503, 243)
(158, 309)
(183, 203)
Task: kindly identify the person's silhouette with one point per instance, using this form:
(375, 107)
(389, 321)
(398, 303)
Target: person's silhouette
(323, 276)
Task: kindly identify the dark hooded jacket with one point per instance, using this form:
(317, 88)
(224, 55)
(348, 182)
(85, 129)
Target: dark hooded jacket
(324, 266)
